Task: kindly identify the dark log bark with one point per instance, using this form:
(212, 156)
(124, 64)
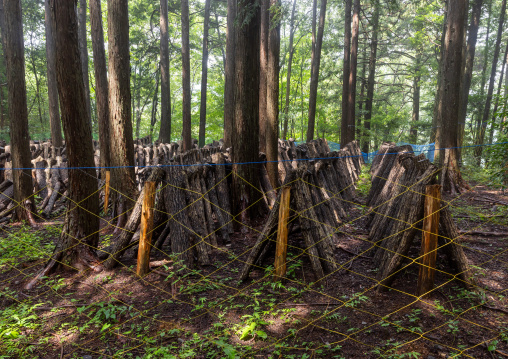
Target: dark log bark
(122, 242)
(263, 72)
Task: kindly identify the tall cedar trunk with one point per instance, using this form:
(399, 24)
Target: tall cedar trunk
(486, 110)
(450, 176)
(120, 130)
(18, 113)
(245, 137)
(263, 70)
(101, 83)
(348, 130)
(435, 129)
(3, 63)
(83, 51)
(80, 235)
(345, 75)
(37, 83)
(372, 77)
(413, 132)
(468, 66)
(484, 71)
(155, 102)
(290, 64)
(272, 96)
(165, 129)
(499, 87)
(54, 111)
(314, 76)
(229, 81)
(186, 79)
(204, 77)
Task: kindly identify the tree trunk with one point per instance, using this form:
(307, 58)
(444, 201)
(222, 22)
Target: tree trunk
(486, 110)
(348, 131)
(315, 72)
(499, 87)
(54, 112)
(468, 67)
(101, 83)
(165, 129)
(434, 133)
(204, 77)
(155, 99)
(186, 79)
(413, 132)
(372, 76)
(290, 63)
(345, 75)
(18, 113)
(263, 72)
(246, 127)
(229, 83)
(80, 235)
(120, 130)
(450, 177)
(83, 51)
(272, 95)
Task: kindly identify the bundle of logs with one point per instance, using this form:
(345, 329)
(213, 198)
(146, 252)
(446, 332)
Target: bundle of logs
(396, 198)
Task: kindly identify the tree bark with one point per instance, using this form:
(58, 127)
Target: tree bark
(204, 77)
(186, 79)
(165, 129)
(450, 177)
(315, 72)
(18, 113)
(272, 95)
(80, 234)
(120, 130)
(348, 131)
(290, 64)
(246, 127)
(499, 87)
(345, 74)
(54, 111)
(263, 72)
(413, 132)
(101, 83)
(229, 83)
(83, 50)
(486, 110)
(371, 79)
(468, 66)
(436, 117)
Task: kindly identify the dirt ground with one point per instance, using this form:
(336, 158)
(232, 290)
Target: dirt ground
(207, 313)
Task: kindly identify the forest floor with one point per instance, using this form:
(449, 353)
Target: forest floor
(208, 313)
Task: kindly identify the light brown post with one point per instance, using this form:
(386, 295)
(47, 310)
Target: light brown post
(429, 239)
(282, 235)
(145, 239)
(106, 193)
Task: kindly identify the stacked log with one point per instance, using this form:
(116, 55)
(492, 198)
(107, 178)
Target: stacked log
(398, 216)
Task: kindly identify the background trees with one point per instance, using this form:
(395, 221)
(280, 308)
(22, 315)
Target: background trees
(399, 46)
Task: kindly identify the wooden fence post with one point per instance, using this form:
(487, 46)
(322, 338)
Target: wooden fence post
(106, 193)
(429, 239)
(282, 235)
(145, 239)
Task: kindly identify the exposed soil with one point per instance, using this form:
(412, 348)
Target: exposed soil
(206, 312)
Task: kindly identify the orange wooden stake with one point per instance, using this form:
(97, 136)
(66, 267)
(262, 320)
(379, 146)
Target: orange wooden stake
(145, 239)
(282, 235)
(106, 193)
(429, 240)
